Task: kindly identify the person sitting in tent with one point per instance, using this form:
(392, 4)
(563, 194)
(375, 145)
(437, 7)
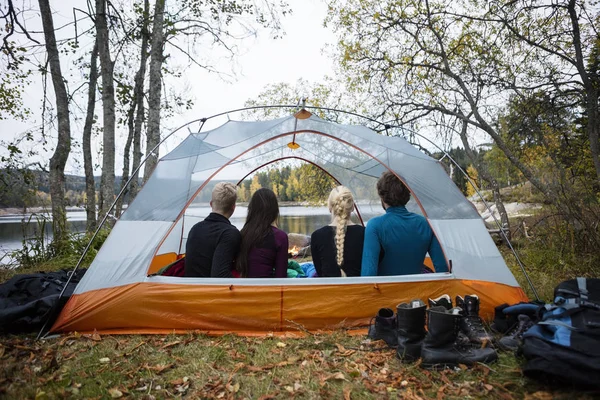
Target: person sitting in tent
(403, 237)
(213, 243)
(337, 248)
(264, 247)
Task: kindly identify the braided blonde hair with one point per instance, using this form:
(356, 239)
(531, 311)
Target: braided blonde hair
(340, 205)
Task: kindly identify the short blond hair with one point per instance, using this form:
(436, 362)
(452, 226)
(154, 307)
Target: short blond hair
(224, 196)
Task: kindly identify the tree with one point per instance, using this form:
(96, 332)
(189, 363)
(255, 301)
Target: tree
(90, 184)
(135, 116)
(107, 182)
(63, 145)
(442, 64)
(155, 88)
(474, 176)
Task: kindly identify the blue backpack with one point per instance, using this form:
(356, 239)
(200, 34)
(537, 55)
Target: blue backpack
(564, 346)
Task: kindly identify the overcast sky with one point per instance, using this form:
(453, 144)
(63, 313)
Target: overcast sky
(260, 61)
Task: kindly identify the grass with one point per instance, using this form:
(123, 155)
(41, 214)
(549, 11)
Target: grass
(196, 366)
(318, 366)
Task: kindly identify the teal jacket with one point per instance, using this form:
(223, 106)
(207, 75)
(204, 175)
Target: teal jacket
(405, 238)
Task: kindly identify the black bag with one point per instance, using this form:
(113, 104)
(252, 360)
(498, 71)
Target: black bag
(28, 301)
(564, 346)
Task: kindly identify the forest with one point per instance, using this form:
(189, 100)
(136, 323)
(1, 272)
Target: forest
(508, 92)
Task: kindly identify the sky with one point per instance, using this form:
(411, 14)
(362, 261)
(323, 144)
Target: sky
(259, 61)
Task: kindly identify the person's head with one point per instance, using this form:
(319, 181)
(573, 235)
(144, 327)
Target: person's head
(223, 199)
(392, 191)
(263, 210)
(341, 204)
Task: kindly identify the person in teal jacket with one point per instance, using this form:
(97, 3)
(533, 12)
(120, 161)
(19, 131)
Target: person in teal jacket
(396, 243)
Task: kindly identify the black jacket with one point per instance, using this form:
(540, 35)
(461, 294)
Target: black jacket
(211, 248)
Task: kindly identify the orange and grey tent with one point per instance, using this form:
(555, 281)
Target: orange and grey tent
(118, 295)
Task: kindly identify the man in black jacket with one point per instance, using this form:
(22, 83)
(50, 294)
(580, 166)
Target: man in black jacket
(213, 244)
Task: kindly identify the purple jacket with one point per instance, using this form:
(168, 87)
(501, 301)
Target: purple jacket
(269, 259)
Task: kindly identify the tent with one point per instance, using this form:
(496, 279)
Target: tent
(117, 295)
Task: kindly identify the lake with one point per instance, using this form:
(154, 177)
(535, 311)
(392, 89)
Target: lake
(296, 219)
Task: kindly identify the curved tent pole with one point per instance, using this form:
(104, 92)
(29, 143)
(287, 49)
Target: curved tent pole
(310, 162)
(123, 190)
(486, 205)
(203, 121)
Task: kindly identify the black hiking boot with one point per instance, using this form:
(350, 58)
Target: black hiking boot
(440, 347)
(514, 338)
(384, 327)
(410, 320)
(444, 301)
(471, 324)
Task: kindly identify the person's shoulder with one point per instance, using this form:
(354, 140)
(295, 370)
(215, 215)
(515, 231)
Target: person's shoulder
(278, 232)
(377, 221)
(356, 229)
(232, 231)
(322, 231)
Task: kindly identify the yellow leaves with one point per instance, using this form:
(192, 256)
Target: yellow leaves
(115, 393)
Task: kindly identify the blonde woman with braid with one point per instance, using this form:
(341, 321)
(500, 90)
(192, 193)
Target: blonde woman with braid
(337, 248)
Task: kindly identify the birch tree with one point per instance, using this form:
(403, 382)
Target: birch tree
(63, 145)
(88, 166)
(107, 182)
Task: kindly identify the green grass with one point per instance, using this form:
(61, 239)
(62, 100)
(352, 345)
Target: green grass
(196, 366)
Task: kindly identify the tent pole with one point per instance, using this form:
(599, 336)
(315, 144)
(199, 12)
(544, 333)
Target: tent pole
(203, 121)
(112, 206)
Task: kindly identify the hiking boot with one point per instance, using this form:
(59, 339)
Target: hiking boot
(440, 347)
(410, 321)
(514, 338)
(384, 327)
(444, 301)
(471, 324)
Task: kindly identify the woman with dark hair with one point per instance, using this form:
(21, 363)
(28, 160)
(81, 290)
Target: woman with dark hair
(264, 247)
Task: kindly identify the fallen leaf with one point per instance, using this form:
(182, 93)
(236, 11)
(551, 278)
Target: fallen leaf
(289, 389)
(488, 387)
(463, 367)
(281, 344)
(166, 346)
(115, 393)
(104, 360)
(95, 336)
(269, 396)
(539, 395)
(41, 395)
(297, 386)
(159, 369)
(440, 393)
(347, 392)
(336, 376)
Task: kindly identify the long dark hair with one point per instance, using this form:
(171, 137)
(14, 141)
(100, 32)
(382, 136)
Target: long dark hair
(263, 209)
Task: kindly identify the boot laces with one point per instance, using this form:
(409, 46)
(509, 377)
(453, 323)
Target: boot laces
(474, 322)
(519, 328)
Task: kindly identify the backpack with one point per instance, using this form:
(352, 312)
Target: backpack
(564, 346)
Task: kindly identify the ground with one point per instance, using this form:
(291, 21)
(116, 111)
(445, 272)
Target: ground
(196, 366)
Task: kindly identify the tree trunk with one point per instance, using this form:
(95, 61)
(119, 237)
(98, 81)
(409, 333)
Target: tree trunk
(593, 127)
(135, 126)
(590, 83)
(63, 145)
(504, 221)
(107, 183)
(90, 185)
(156, 61)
